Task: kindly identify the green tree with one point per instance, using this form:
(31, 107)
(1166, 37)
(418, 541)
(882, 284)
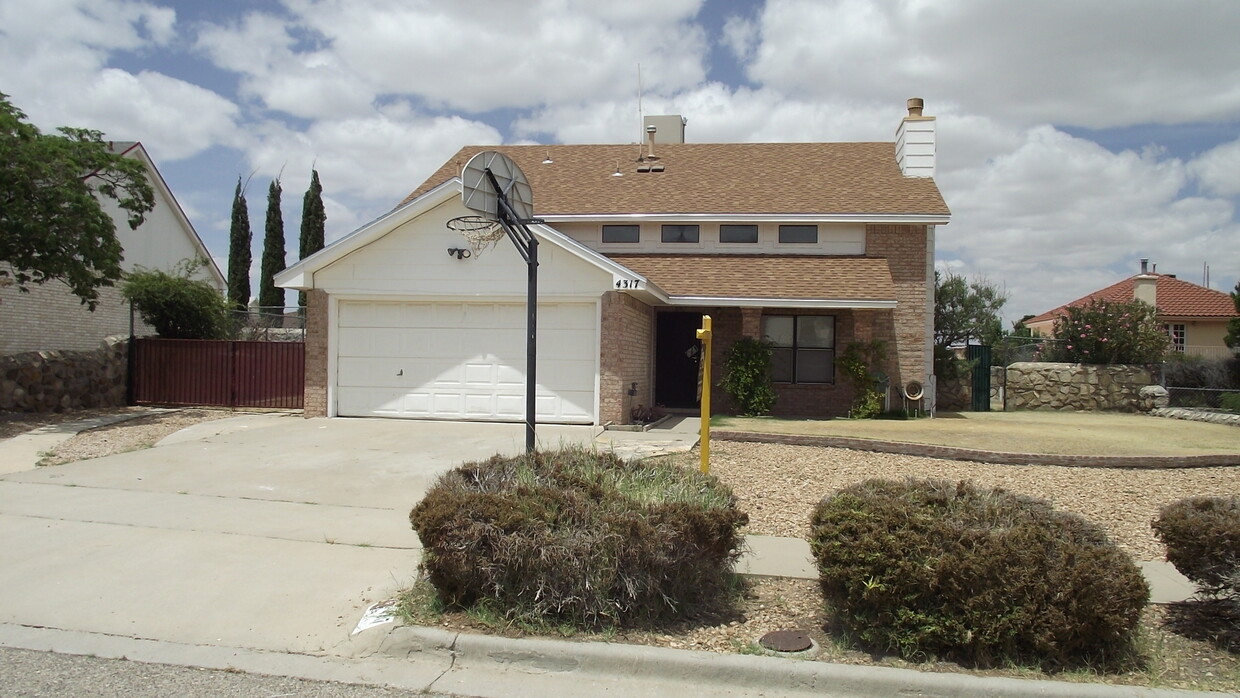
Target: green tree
(239, 255)
(1233, 326)
(269, 296)
(51, 223)
(747, 376)
(313, 222)
(176, 305)
(965, 310)
(1105, 332)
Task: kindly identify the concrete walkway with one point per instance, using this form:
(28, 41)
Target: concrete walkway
(258, 543)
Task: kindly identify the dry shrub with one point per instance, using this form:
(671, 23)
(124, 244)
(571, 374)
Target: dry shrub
(580, 537)
(931, 568)
(1202, 535)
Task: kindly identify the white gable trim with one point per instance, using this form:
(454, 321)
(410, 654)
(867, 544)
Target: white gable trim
(301, 275)
(880, 218)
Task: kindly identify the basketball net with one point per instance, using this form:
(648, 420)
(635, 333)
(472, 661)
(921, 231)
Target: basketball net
(480, 232)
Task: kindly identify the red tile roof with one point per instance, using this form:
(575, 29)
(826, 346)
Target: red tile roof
(797, 277)
(1175, 298)
(715, 178)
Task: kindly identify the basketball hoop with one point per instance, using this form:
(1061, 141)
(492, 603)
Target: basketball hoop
(479, 231)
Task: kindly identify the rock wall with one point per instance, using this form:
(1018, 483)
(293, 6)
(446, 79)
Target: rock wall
(60, 381)
(1056, 386)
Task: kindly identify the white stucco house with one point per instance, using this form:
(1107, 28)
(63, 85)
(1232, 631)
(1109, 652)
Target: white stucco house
(50, 317)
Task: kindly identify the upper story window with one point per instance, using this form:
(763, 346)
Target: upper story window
(798, 233)
(622, 233)
(802, 347)
(680, 233)
(738, 233)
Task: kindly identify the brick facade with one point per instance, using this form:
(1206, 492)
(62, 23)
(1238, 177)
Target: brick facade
(316, 354)
(903, 329)
(50, 318)
(625, 353)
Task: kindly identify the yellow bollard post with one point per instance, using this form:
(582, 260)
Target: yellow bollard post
(704, 334)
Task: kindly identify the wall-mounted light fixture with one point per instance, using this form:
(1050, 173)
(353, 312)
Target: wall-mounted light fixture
(460, 252)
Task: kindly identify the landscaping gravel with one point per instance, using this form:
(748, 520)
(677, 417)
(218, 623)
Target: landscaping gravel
(779, 485)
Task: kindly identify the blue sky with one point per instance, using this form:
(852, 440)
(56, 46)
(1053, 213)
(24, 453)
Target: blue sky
(1075, 136)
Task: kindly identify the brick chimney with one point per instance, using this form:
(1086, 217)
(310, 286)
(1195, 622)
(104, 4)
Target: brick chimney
(915, 146)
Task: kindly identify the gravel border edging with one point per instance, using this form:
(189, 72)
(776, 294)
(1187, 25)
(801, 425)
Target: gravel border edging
(978, 456)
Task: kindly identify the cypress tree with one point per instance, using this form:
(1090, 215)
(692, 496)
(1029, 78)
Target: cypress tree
(313, 220)
(269, 296)
(239, 256)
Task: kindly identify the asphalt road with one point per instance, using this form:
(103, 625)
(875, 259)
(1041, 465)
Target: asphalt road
(24, 673)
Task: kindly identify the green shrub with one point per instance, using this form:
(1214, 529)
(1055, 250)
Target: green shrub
(1202, 535)
(1105, 332)
(580, 537)
(858, 363)
(935, 568)
(176, 305)
(1229, 402)
(747, 376)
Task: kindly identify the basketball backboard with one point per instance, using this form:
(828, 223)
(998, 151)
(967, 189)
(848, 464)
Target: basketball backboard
(478, 194)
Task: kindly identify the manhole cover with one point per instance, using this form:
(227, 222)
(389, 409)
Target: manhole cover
(786, 641)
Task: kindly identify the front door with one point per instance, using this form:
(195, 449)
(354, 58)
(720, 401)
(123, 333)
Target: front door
(676, 360)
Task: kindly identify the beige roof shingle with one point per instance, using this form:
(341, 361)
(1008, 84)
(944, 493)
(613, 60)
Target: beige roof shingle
(715, 178)
(794, 277)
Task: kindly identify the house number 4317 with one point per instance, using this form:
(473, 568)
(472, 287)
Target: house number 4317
(628, 283)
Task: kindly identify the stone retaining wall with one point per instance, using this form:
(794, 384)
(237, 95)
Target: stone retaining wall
(59, 381)
(1058, 386)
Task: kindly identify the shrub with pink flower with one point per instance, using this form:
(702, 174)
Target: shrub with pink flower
(1103, 332)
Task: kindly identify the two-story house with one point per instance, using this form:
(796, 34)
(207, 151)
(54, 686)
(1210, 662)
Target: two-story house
(808, 245)
(49, 317)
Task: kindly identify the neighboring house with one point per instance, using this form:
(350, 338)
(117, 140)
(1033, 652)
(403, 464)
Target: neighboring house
(810, 245)
(1195, 317)
(50, 317)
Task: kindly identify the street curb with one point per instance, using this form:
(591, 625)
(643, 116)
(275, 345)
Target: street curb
(493, 666)
(978, 456)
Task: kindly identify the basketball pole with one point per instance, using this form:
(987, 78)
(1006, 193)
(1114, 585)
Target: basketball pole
(527, 245)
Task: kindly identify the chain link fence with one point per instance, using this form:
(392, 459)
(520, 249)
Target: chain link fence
(270, 324)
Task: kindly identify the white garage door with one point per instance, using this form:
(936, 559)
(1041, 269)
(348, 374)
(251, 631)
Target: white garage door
(464, 361)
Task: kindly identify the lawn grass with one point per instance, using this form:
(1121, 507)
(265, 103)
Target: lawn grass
(1067, 433)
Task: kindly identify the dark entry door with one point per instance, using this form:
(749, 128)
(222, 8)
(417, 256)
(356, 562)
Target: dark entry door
(676, 359)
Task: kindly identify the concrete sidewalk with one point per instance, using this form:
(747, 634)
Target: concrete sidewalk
(257, 543)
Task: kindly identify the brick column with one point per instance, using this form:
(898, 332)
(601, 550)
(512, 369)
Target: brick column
(316, 354)
(751, 323)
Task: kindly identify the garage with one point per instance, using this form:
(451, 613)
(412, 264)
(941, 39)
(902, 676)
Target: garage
(464, 360)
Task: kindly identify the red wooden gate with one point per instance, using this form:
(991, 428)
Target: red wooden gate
(218, 373)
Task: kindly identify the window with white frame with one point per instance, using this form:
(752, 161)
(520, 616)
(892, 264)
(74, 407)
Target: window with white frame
(798, 233)
(622, 233)
(680, 233)
(1177, 333)
(802, 347)
(738, 233)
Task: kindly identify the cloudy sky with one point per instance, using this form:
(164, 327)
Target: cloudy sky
(1075, 136)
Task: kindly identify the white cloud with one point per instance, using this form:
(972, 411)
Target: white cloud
(61, 49)
(1059, 217)
(478, 56)
(740, 35)
(1092, 64)
(1218, 169)
(310, 84)
(378, 159)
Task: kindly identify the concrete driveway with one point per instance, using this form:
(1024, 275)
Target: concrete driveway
(265, 532)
